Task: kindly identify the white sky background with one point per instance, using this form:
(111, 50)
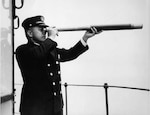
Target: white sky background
(114, 57)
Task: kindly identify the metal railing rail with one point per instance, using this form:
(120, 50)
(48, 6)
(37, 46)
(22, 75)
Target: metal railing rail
(105, 86)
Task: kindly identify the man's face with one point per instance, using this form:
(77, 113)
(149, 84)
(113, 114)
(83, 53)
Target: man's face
(38, 34)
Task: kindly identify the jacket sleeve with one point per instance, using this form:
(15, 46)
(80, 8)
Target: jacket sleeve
(72, 53)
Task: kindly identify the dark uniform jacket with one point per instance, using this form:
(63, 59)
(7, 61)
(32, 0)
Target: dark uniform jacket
(40, 68)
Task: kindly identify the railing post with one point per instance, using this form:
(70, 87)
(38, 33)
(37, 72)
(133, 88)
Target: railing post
(66, 98)
(106, 96)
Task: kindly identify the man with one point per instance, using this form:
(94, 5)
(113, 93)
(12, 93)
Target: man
(39, 62)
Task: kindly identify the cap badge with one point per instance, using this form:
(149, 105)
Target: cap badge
(42, 18)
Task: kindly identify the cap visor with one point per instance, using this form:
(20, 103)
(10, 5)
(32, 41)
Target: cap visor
(43, 25)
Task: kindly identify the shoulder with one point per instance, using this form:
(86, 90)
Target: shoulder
(21, 48)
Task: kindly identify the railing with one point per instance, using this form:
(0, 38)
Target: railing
(105, 86)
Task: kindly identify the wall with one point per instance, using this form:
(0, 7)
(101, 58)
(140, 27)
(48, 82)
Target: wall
(6, 73)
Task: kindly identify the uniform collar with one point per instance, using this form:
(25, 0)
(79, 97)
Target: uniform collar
(33, 43)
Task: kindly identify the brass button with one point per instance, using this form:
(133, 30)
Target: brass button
(58, 56)
(59, 72)
(55, 93)
(51, 74)
(57, 62)
(53, 83)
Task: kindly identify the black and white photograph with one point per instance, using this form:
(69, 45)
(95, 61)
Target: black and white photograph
(74, 57)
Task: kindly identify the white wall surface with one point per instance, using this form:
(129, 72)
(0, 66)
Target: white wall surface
(6, 77)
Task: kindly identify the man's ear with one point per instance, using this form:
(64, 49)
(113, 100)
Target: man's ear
(29, 33)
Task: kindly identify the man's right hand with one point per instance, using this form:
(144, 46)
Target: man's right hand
(52, 32)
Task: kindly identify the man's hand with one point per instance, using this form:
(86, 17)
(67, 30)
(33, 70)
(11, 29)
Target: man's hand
(52, 32)
(91, 33)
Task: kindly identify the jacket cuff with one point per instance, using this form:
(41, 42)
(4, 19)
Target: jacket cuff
(83, 43)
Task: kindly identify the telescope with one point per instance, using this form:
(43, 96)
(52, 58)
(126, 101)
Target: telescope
(103, 27)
